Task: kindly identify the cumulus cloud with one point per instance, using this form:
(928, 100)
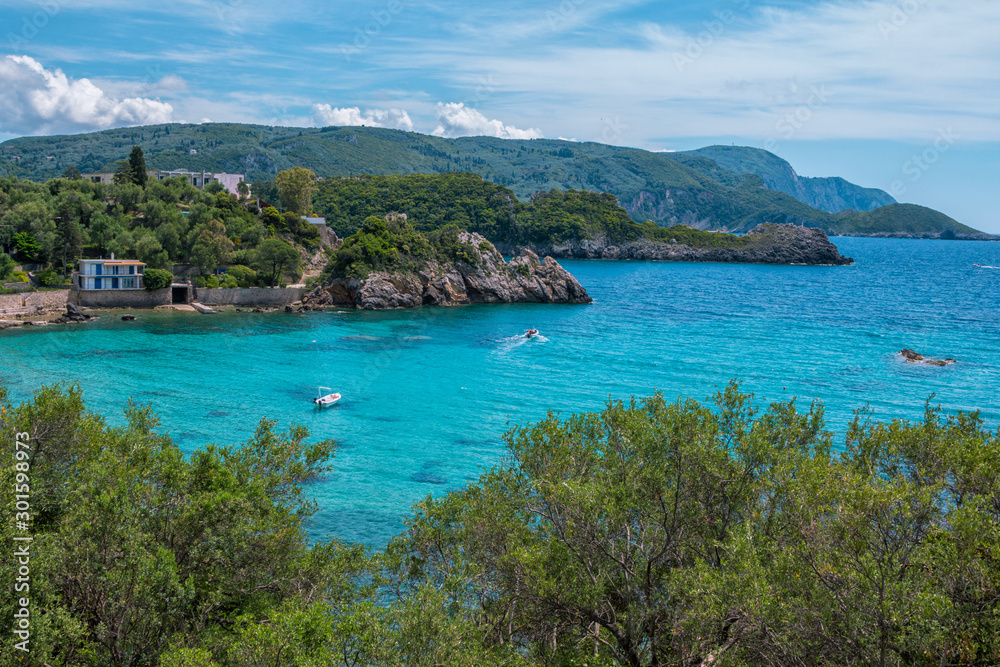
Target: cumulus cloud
(325, 114)
(457, 120)
(41, 101)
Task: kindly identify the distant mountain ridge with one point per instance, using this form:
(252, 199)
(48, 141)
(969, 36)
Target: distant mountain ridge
(668, 188)
(832, 194)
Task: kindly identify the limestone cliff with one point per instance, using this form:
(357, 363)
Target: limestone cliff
(489, 279)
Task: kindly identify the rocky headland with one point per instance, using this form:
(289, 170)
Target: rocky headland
(486, 279)
(764, 244)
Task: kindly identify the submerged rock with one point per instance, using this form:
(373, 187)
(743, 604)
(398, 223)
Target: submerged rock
(526, 279)
(915, 358)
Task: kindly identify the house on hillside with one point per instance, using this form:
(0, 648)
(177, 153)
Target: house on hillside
(109, 274)
(119, 283)
(198, 179)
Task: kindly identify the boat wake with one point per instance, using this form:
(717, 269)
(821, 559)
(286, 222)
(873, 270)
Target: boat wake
(513, 342)
(983, 266)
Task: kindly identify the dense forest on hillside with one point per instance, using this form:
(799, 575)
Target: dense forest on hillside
(468, 202)
(649, 534)
(666, 188)
(161, 223)
(169, 222)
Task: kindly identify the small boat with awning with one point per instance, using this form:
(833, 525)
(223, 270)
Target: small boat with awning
(322, 400)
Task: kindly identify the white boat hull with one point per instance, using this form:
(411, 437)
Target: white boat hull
(329, 399)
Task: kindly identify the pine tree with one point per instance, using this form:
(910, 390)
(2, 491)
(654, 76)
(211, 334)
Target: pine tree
(137, 166)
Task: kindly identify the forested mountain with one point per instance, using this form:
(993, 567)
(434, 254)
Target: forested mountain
(832, 195)
(665, 188)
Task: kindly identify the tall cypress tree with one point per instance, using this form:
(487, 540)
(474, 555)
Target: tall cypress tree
(137, 166)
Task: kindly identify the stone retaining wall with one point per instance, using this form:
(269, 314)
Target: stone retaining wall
(34, 300)
(250, 296)
(122, 298)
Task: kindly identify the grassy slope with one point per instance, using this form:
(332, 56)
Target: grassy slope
(665, 188)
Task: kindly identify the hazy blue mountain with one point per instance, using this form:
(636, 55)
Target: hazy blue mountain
(827, 194)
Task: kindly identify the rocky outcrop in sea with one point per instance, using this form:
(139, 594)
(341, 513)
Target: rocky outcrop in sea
(525, 279)
(767, 244)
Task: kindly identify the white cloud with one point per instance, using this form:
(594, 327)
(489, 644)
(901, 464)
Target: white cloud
(888, 70)
(457, 120)
(325, 114)
(41, 101)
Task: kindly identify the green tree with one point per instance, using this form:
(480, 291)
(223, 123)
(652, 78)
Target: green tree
(103, 229)
(27, 246)
(137, 167)
(171, 548)
(70, 237)
(149, 250)
(123, 173)
(7, 266)
(211, 247)
(127, 195)
(243, 190)
(277, 258)
(154, 279)
(72, 173)
(296, 186)
(266, 191)
(243, 275)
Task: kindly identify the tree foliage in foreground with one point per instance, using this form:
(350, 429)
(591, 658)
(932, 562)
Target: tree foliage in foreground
(652, 533)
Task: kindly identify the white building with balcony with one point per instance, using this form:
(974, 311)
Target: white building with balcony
(109, 274)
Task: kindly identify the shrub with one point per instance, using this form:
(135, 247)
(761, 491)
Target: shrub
(243, 275)
(6, 265)
(19, 276)
(155, 279)
(206, 282)
(228, 281)
(49, 278)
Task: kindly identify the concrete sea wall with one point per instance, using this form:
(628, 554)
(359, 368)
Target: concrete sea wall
(250, 296)
(122, 298)
(33, 301)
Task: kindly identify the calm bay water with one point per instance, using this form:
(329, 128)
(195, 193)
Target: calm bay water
(428, 393)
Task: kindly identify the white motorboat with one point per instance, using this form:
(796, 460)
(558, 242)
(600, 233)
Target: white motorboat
(325, 399)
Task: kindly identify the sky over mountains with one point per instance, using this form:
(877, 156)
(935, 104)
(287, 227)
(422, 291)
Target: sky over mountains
(903, 95)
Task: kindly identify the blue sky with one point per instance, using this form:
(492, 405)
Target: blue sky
(903, 95)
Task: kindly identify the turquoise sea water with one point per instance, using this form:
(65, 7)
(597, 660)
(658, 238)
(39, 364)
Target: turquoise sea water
(428, 393)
